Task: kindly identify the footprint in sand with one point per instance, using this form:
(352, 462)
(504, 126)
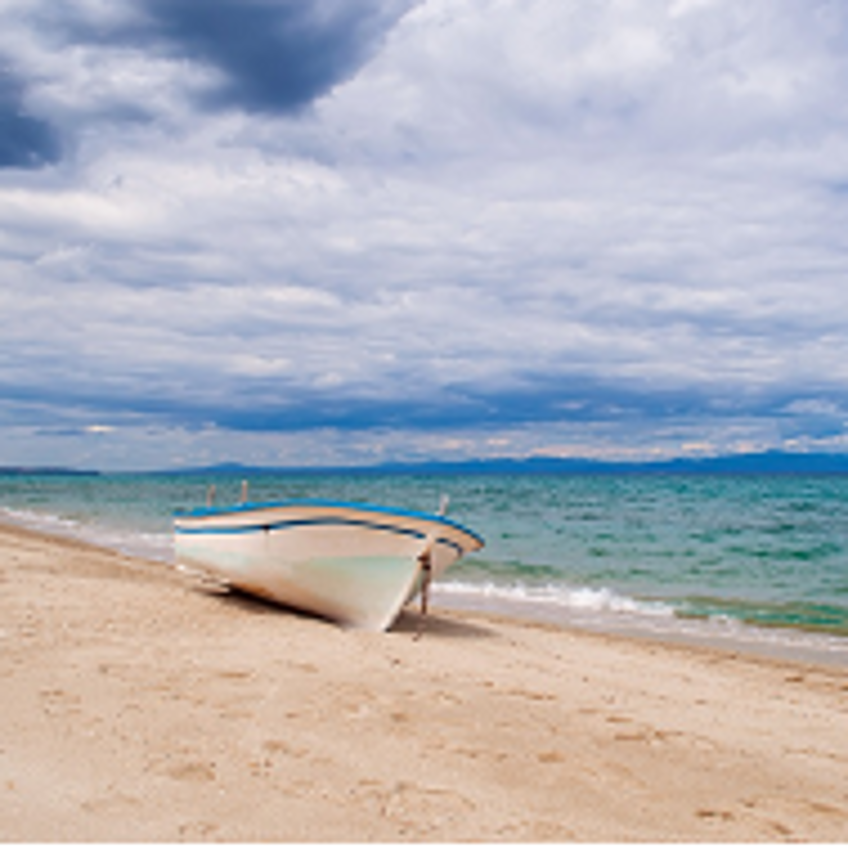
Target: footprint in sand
(195, 772)
(197, 831)
(551, 757)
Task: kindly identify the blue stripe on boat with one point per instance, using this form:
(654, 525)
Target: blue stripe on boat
(204, 512)
(316, 522)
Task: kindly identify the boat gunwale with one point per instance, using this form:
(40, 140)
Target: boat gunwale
(247, 529)
(398, 512)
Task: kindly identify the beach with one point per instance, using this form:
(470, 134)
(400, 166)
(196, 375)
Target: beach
(139, 705)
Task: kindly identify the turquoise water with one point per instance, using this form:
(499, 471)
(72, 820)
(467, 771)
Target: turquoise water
(747, 556)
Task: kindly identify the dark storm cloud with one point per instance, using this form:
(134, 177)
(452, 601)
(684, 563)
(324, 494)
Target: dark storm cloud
(276, 56)
(271, 56)
(25, 141)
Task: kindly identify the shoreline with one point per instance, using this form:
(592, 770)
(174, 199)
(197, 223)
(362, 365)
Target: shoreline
(808, 647)
(139, 706)
(443, 608)
(800, 644)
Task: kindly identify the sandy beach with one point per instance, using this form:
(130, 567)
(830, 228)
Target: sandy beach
(140, 706)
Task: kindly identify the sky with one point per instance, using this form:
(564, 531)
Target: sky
(358, 231)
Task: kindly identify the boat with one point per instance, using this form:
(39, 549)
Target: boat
(355, 564)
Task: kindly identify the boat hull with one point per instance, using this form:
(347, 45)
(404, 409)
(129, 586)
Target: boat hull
(352, 563)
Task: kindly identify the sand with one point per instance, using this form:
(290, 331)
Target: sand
(138, 706)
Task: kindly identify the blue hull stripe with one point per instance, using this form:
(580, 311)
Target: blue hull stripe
(208, 512)
(311, 522)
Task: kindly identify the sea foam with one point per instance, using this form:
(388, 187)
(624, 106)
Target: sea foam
(606, 611)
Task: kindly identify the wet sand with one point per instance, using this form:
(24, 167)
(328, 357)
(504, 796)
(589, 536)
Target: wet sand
(138, 706)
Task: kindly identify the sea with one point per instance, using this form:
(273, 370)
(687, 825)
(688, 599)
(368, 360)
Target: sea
(752, 563)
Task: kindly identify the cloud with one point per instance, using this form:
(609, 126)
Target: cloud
(25, 141)
(408, 226)
(274, 56)
(271, 56)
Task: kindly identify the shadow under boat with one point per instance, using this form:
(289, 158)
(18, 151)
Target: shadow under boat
(409, 621)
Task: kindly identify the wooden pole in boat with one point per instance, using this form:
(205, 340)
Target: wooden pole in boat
(210, 495)
(426, 562)
(244, 491)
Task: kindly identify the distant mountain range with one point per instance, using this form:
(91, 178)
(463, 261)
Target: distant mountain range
(770, 462)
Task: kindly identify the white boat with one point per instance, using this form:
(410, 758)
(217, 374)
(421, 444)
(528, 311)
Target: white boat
(357, 564)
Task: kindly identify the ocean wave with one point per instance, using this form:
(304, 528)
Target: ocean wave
(606, 611)
(583, 598)
(39, 521)
(155, 546)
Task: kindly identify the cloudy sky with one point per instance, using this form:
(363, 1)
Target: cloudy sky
(287, 232)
